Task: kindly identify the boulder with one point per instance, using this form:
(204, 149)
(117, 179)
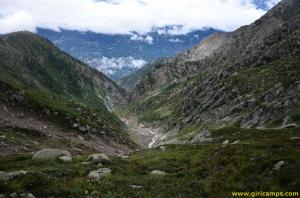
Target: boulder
(99, 173)
(66, 158)
(203, 136)
(77, 151)
(290, 126)
(236, 142)
(7, 176)
(82, 129)
(295, 138)
(50, 154)
(278, 165)
(27, 195)
(14, 195)
(162, 148)
(135, 186)
(225, 142)
(158, 172)
(99, 158)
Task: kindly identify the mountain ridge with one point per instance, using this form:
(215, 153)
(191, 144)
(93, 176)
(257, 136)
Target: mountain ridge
(40, 81)
(198, 90)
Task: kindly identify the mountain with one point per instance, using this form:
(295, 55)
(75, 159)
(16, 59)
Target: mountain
(46, 92)
(119, 55)
(247, 78)
(218, 120)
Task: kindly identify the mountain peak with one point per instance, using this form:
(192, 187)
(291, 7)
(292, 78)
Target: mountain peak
(284, 10)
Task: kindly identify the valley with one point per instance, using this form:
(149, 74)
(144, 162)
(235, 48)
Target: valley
(145, 137)
(220, 117)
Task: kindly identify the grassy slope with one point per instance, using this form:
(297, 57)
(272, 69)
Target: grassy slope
(208, 170)
(54, 81)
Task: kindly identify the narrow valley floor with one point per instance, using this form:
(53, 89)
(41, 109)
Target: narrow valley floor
(142, 135)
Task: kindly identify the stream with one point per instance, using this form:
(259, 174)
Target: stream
(141, 135)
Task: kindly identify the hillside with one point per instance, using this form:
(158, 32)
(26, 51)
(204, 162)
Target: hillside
(229, 79)
(46, 92)
(219, 120)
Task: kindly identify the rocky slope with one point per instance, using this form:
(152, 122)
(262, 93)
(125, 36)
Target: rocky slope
(246, 78)
(55, 99)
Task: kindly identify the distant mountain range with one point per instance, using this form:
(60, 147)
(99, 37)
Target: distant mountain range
(120, 55)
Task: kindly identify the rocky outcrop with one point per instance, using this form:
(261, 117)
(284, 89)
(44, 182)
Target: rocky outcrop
(7, 176)
(158, 172)
(50, 154)
(99, 158)
(99, 173)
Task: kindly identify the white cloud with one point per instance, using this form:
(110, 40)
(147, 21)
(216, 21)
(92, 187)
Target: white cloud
(271, 3)
(149, 39)
(124, 16)
(111, 65)
(177, 40)
(143, 38)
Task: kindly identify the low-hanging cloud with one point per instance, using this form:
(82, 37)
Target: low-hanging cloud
(125, 16)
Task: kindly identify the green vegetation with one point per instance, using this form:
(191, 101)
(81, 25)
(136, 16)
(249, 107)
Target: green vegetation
(57, 86)
(208, 170)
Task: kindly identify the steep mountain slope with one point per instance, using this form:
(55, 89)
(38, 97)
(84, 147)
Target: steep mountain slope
(40, 82)
(119, 55)
(247, 78)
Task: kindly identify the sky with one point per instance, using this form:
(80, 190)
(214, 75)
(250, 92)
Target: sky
(125, 16)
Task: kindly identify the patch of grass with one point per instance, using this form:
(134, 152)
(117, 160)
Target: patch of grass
(210, 170)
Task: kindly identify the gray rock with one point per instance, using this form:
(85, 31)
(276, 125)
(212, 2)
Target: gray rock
(66, 158)
(289, 126)
(95, 194)
(13, 195)
(20, 115)
(50, 154)
(4, 176)
(99, 165)
(278, 165)
(295, 138)
(82, 129)
(99, 173)
(81, 138)
(27, 195)
(99, 158)
(203, 136)
(162, 148)
(77, 150)
(158, 172)
(236, 142)
(135, 186)
(3, 172)
(225, 142)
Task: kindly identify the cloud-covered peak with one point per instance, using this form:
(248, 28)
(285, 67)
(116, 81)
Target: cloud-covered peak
(125, 16)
